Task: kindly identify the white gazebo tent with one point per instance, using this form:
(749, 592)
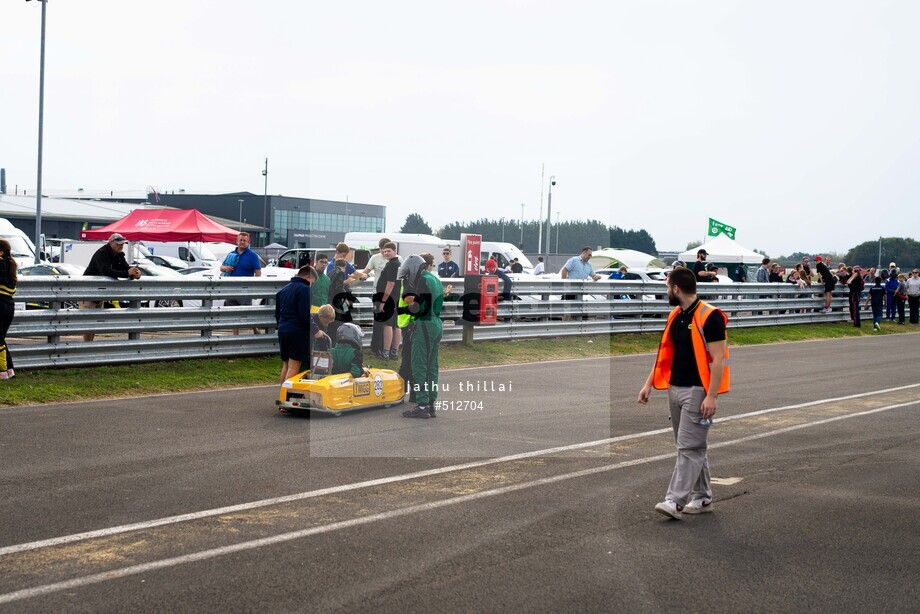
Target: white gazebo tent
(722, 250)
(613, 257)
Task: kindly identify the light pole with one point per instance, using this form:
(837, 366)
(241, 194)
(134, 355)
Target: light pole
(41, 115)
(540, 215)
(265, 204)
(241, 215)
(549, 215)
(522, 227)
(557, 232)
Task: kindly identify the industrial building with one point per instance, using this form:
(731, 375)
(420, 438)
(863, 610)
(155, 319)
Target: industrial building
(290, 221)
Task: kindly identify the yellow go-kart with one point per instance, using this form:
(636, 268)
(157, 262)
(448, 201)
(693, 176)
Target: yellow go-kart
(335, 394)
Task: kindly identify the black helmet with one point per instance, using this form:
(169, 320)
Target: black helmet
(349, 333)
(410, 271)
(677, 263)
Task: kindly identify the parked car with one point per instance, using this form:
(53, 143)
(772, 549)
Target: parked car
(53, 270)
(169, 262)
(150, 269)
(195, 269)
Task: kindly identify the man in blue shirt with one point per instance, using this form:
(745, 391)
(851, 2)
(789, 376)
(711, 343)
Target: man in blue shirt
(241, 262)
(578, 268)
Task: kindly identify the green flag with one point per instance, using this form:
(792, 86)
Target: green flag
(717, 228)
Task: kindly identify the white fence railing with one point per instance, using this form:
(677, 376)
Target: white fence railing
(197, 324)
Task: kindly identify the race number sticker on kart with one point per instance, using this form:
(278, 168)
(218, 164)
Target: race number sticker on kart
(378, 385)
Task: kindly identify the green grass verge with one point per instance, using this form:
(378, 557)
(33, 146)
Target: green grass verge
(57, 385)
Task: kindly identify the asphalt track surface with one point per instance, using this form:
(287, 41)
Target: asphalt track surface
(541, 501)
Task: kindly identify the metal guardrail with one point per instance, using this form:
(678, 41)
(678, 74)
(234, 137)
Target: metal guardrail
(142, 332)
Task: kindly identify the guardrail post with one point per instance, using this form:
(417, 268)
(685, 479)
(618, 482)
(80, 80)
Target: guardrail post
(55, 306)
(134, 305)
(209, 304)
(467, 334)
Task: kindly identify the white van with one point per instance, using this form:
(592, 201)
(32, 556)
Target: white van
(22, 247)
(79, 253)
(195, 253)
(506, 251)
(406, 243)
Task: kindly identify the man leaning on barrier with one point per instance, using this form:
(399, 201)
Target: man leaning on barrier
(577, 267)
(109, 261)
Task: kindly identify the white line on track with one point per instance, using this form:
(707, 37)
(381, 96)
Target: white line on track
(149, 524)
(414, 509)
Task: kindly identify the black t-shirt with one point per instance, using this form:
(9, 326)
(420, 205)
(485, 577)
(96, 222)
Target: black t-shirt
(826, 276)
(390, 273)
(877, 294)
(857, 285)
(698, 267)
(683, 369)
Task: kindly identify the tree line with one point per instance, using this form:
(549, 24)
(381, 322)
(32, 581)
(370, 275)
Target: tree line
(572, 236)
(903, 251)
(566, 237)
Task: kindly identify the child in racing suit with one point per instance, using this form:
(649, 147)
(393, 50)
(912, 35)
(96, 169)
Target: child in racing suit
(347, 356)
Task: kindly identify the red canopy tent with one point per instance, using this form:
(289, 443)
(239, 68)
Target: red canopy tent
(164, 225)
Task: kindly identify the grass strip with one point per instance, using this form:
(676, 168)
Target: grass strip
(73, 384)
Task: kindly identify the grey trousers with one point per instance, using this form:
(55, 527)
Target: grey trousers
(690, 479)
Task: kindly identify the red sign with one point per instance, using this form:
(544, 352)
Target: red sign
(470, 245)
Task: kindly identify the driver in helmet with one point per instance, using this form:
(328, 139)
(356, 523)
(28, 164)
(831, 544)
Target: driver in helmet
(423, 305)
(347, 356)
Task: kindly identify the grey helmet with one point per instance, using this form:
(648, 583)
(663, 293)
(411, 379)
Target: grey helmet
(410, 271)
(349, 333)
(677, 263)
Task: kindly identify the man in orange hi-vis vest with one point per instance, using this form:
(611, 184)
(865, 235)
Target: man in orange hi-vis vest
(692, 365)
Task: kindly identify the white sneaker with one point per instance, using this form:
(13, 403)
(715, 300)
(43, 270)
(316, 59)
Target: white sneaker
(669, 508)
(698, 506)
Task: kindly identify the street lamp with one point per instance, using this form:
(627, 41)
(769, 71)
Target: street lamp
(265, 203)
(522, 226)
(549, 214)
(41, 115)
(557, 232)
(241, 215)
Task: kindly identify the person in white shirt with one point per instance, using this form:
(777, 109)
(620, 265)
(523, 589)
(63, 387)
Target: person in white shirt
(539, 269)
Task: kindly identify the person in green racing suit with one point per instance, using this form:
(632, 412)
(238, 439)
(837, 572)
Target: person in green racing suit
(424, 306)
(347, 356)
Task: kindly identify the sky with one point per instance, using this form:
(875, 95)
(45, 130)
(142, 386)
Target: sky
(794, 121)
